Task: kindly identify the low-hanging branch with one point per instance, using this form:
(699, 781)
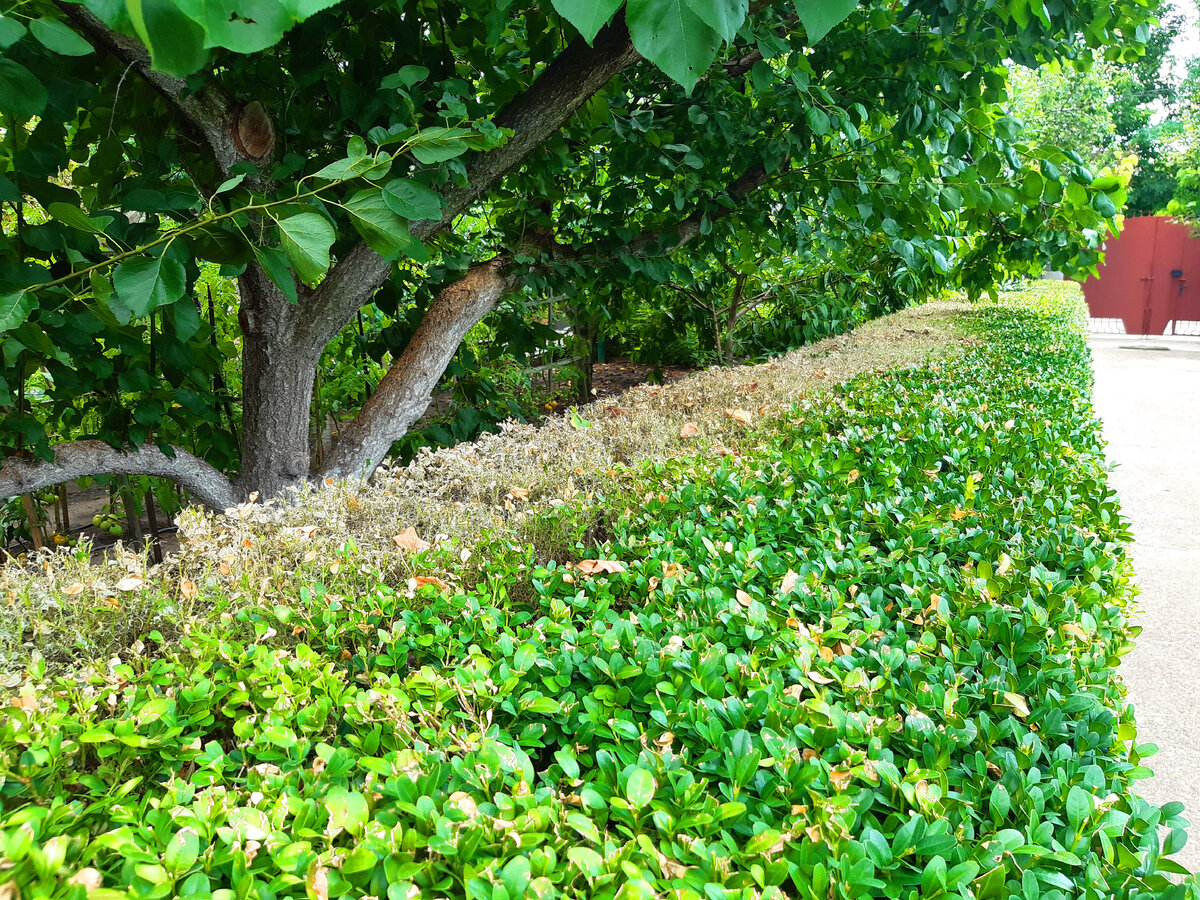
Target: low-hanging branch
(78, 459)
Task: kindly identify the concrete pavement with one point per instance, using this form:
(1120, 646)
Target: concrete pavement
(1148, 396)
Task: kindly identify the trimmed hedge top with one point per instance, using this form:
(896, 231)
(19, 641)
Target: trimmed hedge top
(874, 658)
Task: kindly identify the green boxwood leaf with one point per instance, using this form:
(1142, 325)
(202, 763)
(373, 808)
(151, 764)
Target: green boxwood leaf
(182, 851)
(639, 789)
(673, 37)
(306, 238)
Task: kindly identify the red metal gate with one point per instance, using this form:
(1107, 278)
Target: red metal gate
(1144, 279)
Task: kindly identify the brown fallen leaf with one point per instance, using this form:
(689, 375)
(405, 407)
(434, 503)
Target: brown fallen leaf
(739, 415)
(690, 430)
(318, 882)
(423, 580)
(74, 589)
(90, 879)
(788, 585)
(840, 779)
(464, 803)
(592, 566)
(408, 540)
(519, 493)
(130, 583)
(1018, 703)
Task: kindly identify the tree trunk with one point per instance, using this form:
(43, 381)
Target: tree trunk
(278, 369)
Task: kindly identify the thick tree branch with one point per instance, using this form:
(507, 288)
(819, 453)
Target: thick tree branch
(534, 116)
(80, 458)
(233, 132)
(404, 392)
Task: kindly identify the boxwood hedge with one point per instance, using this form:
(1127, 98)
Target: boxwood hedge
(873, 658)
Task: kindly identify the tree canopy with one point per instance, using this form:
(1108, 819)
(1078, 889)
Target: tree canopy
(428, 158)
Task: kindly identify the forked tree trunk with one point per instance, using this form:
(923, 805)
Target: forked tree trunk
(405, 391)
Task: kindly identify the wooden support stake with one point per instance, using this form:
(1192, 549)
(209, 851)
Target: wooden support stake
(152, 516)
(35, 530)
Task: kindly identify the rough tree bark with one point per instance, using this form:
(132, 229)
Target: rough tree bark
(80, 458)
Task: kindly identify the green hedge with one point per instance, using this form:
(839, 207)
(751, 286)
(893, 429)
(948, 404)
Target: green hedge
(874, 658)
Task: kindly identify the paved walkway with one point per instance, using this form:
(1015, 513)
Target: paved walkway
(1148, 396)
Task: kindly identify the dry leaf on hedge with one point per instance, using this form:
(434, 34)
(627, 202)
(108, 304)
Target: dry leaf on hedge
(739, 415)
(90, 879)
(592, 566)
(188, 590)
(1018, 704)
(744, 598)
(519, 493)
(131, 583)
(789, 583)
(74, 589)
(422, 580)
(318, 884)
(408, 540)
(840, 779)
(690, 430)
(818, 678)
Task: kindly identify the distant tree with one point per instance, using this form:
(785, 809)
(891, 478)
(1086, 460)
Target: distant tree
(1144, 110)
(1069, 107)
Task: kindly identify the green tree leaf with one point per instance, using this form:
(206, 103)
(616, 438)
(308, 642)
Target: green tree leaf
(175, 41)
(384, 231)
(244, 26)
(58, 37)
(306, 239)
(21, 93)
(11, 31)
(145, 283)
(412, 200)
(14, 309)
(724, 17)
(819, 16)
(588, 16)
(818, 120)
(274, 262)
(673, 37)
